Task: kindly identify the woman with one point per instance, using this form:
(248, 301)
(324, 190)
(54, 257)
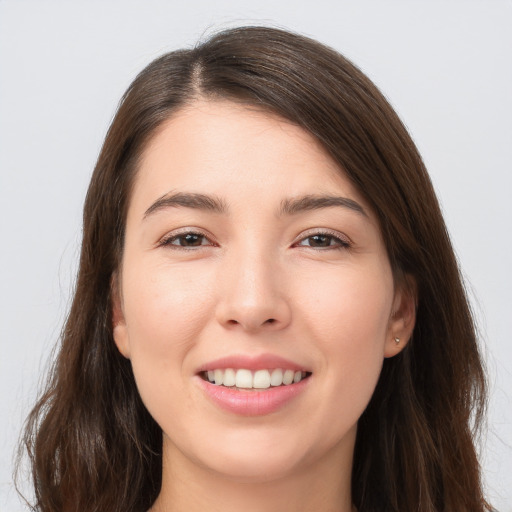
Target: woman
(268, 311)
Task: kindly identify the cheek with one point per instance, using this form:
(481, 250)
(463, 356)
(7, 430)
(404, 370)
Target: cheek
(165, 310)
(351, 306)
(348, 315)
(165, 307)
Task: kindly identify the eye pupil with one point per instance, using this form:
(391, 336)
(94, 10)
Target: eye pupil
(191, 240)
(320, 240)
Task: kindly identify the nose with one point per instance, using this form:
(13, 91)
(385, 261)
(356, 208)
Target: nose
(252, 296)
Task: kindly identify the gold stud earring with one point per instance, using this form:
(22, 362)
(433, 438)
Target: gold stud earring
(397, 340)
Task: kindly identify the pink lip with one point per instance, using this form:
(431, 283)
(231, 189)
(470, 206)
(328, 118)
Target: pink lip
(261, 362)
(252, 402)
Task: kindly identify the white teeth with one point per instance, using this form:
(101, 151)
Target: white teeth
(276, 379)
(288, 377)
(218, 376)
(260, 379)
(243, 379)
(229, 377)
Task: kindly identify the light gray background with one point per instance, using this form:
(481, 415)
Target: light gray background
(446, 66)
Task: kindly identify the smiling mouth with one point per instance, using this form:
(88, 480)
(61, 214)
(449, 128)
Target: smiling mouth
(258, 379)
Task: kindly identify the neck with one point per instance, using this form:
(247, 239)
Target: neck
(188, 486)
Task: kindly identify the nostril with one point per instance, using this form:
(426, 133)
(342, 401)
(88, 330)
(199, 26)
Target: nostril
(251, 325)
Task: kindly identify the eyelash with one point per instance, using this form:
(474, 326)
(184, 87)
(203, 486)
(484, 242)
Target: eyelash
(339, 242)
(167, 241)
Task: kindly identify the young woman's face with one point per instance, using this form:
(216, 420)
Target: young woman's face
(250, 259)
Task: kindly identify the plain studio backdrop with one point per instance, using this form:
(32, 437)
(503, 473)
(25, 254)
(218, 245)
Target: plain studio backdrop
(446, 66)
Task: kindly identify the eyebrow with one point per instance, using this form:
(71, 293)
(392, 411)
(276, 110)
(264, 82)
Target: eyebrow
(187, 200)
(316, 202)
(218, 205)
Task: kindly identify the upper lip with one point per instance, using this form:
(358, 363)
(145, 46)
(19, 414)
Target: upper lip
(260, 362)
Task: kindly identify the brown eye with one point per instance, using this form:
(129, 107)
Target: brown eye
(323, 241)
(320, 240)
(187, 240)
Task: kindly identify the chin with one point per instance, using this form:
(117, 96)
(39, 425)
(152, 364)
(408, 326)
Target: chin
(240, 454)
(266, 457)
(257, 469)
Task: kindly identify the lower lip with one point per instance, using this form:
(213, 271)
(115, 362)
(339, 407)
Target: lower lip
(253, 402)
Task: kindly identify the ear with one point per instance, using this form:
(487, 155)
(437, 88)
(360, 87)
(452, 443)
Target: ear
(119, 329)
(403, 317)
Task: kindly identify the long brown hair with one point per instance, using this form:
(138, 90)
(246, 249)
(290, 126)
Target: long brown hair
(92, 443)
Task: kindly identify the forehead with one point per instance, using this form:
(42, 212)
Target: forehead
(234, 151)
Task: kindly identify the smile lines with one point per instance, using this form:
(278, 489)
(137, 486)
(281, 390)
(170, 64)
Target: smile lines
(259, 379)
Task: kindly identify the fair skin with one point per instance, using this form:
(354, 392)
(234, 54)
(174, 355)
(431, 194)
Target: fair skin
(251, 272)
